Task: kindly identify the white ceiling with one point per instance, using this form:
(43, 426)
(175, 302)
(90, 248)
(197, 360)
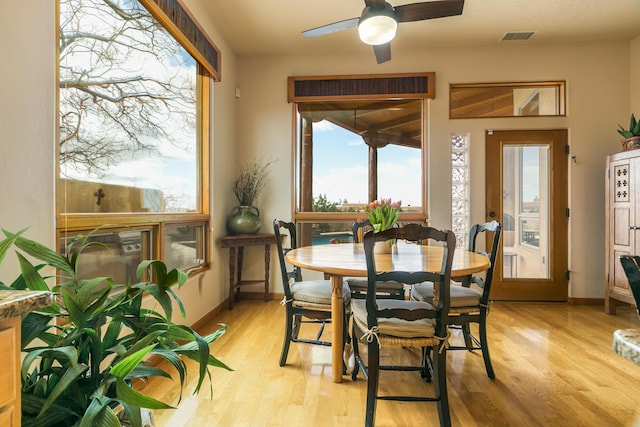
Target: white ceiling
(268, 27)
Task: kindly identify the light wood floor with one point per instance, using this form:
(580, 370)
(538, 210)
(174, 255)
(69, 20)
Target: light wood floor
(554, 367)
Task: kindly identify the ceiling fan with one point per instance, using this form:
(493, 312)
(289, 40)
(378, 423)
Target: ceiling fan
(379, 20)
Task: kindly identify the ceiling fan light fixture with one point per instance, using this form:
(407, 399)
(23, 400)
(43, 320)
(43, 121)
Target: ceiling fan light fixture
(377, 25)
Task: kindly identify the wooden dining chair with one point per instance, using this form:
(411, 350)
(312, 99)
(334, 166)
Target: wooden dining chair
(306, 301)
(470, 304)
(381, 322)
(358, 285)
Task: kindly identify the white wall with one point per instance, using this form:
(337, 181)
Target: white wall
(597, 76)
(634, 89)
(27, 121)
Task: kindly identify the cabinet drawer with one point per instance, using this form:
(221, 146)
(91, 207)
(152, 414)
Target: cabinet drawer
(9, 368)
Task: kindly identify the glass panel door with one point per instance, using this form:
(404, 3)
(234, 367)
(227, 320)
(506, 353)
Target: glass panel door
(525, 214)
(526, 189)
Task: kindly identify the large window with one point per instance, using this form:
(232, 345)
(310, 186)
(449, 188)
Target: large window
(133, 122)
(349, 153)
(359, 151)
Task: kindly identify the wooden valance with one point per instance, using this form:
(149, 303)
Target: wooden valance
(185, 29)
(410, 85)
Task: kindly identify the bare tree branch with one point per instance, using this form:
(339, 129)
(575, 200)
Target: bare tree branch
(124, 85)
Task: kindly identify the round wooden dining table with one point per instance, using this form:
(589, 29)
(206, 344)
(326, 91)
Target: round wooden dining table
(347, 259)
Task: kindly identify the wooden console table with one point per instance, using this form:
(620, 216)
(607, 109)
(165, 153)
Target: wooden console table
(240, 241)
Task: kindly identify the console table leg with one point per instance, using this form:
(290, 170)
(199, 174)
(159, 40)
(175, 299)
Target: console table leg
(240, 258)
(232, 273)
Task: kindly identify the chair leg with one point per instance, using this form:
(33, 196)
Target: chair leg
(440, 384)
(345, 338)
(373, 374)
(466, 333)
(296, 326)
(356, 352)
(287, 337)
(427, 366)
(485, 345)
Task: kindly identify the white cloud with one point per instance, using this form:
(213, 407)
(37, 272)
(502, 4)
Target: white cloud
(323, 126)
(400, 182)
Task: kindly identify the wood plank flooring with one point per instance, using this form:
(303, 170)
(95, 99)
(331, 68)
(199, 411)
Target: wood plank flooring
(554, 367)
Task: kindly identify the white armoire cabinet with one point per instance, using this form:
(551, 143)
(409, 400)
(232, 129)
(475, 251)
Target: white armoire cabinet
(622, 217)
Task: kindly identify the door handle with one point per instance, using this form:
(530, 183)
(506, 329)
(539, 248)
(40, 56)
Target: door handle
(633, 227)
(492, 214)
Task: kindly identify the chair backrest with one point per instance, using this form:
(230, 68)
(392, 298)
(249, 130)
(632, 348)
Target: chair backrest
(631, 266)
(441, 279)
(287, 274)
(480, 230)
(358, 229)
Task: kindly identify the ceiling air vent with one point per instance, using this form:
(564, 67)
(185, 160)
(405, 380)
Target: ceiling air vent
(525, 35)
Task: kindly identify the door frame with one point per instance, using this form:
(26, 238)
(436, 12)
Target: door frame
(556, 288)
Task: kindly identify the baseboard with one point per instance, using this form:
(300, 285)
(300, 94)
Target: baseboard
(586, 301)
(256, 295)
(197, 326)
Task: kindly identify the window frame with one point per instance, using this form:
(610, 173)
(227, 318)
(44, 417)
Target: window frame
(69, 224)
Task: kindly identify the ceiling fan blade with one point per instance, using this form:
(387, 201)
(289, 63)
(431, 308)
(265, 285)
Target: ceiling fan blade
(428, 10)
(383, 52)
(332, 28)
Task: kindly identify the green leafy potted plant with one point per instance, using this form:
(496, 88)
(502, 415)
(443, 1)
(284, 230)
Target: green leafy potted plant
(631, 135)
(83, 354)
(247, 186)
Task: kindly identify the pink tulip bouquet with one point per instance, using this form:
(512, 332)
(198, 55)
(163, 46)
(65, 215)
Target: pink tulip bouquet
(383, 214)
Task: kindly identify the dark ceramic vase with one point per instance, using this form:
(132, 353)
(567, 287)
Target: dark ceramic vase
(244, 220)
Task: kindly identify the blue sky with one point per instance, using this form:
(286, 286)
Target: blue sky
(340, 168)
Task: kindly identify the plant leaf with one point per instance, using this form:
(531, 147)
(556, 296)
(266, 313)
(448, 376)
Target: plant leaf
(33, 324)
(60, 353)
(96, 352)
(135, 398)
(43, 253)
(142, 371)
(174, 358)
(32, 278)
(99, 413)
(71, 374)
(178, 301)
(126, 365)
(56, 414)
(133, 413)
(8, 242)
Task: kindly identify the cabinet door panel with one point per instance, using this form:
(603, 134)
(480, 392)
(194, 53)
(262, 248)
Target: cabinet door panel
(622, 219)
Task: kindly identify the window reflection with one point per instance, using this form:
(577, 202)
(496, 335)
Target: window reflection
(506, 100)
(119, 260)
(184, 246)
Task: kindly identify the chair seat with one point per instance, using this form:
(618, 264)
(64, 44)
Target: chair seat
(317, 292)
(361, 283)
(395, 327)
(460, 296)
